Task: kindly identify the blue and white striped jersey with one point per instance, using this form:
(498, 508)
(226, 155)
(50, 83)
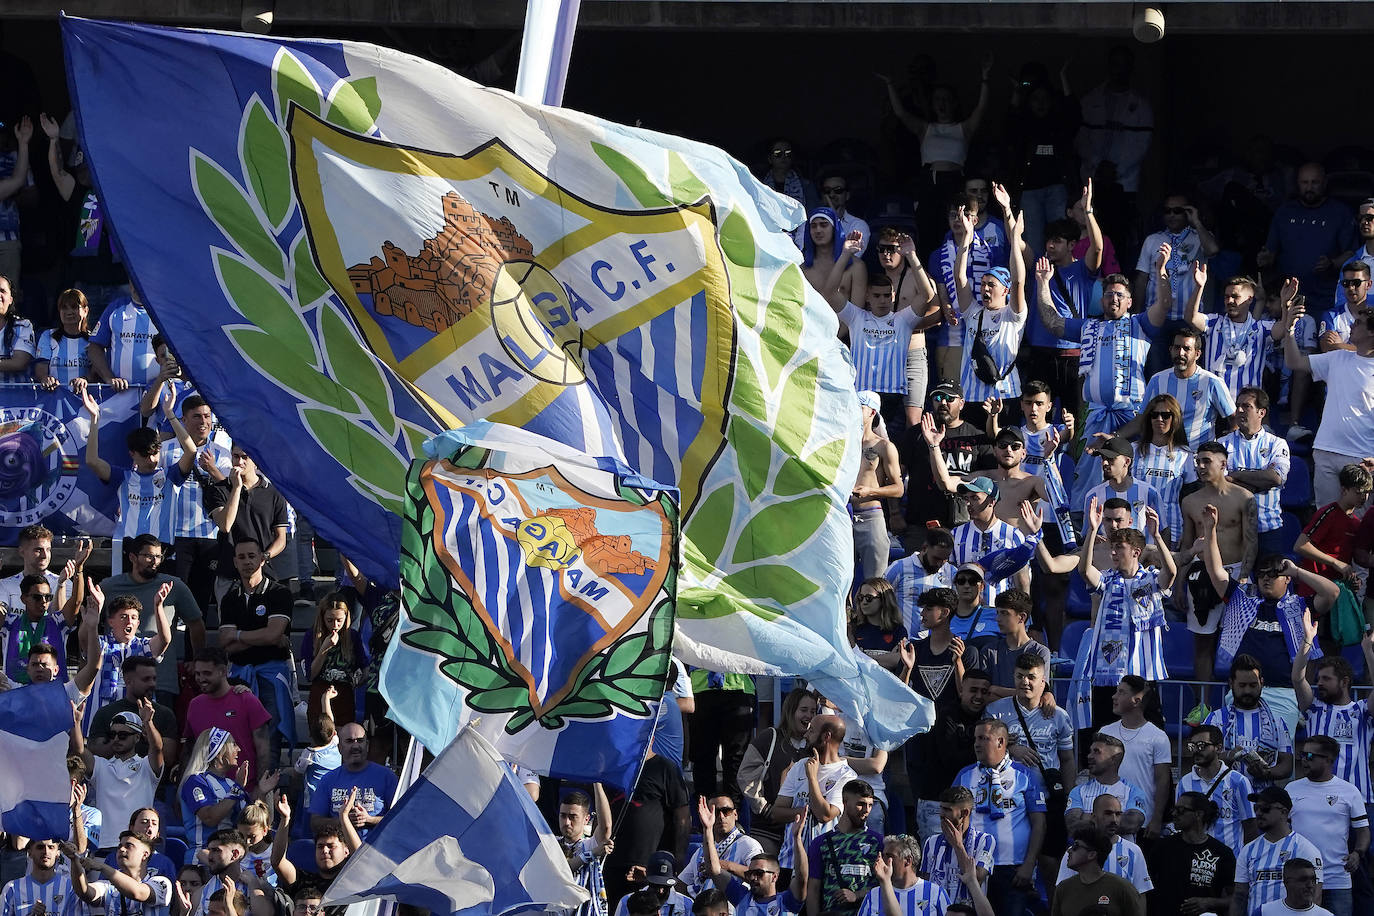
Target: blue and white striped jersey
(116, 904)
(1353, 727)
(1258, 730)
(1128, 638)
(21, 895)
(1113, 362)
(924, 898)
(1003, 798)
(586, 865)
(746, 904)
(971, 544)
(1203, 396)
(1001, 334)
(941, 866)
(1339, 320)
(1166, 470)
(1237, 352)
(1036, 463)
(21, 340)
(145, 501)
(1262, 451)
(126, 332)
(109, 686)
(1083, 796)
(1260, 865)
(1126, 861)
(878, 345)
(1232, 795)
(941, 265)
(910, 580)
(208, 789)
(66, 356)
(189, 519)
(1138, 493)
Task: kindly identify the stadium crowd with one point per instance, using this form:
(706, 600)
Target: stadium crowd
(1048, 442)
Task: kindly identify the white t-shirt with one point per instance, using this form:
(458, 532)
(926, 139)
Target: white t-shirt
(1347, 424)
(123, 786)
(1145, 747)
(1279, 908)
(1326, 813)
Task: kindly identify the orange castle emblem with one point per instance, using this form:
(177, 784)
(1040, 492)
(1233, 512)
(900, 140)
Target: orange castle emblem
(603, 554)
(450, 276)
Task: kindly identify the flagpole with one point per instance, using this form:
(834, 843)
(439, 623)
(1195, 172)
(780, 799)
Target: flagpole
(545, 49)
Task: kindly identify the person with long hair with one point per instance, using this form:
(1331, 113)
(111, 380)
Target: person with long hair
(334, 655)
(17, 344)
(146, 823)
(255, 823)
(1164, 460)
(62, 358)
(768, 757)
(877, 624)
(211, 792)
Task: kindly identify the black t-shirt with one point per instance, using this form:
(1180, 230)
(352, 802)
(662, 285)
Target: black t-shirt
(261, 511)
(966, 449)
(645, 820)
(936, 757)
(252, 610)
(933, 675)
(1182, 870)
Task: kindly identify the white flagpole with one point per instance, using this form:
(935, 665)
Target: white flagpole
(544, 52)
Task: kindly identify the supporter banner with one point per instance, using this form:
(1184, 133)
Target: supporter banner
(466, 838)
(43, 474)
(35, 795)
(537, 602)
(351, 249)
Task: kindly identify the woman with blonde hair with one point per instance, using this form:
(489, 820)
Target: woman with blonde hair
(334, 654)
(768, 757)
(255, 823)
(212, 793)
(1164, 461)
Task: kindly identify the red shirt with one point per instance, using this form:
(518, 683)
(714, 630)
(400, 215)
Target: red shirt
(240, 714)
(1332, 531)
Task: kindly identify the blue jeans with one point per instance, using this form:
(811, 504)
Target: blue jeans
(1340, 901)
(1039, 208)
(1007, 900)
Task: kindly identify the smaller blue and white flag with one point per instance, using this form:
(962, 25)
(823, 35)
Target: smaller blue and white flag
(35, 794)
(466, 839)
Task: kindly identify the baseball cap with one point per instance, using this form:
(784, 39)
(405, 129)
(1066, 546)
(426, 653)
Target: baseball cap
(870, 400)
(1011, 432)
(662, 869)
(1273, 795)
(974, 568)
(130, 719)
(953, 389)
(978, 485)
(1113, 447)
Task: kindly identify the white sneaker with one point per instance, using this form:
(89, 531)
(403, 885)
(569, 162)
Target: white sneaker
(1297, 432)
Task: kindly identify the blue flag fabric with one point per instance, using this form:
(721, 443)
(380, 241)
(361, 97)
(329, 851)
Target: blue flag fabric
(43, 474)
(35, 793)
(537, 589)
(465, 839)
(351, 250)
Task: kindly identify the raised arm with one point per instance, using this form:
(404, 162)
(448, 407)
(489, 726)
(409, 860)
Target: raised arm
(66, 184)
(99, 466)
(188, 445)
(1049, 316)
(1090, 575)
(152, 735)
(963, 289)
(14, 183)
(602, 834)
(286, 870)
(913, 122)
(74, 571)
(1158, 312)
(1293, 357)
(933, 438)
(1192, 312)
(1302, 690)
(1092, 258)
(1204, 235)
(1325, 592)
(975, 119)
(1017, 264)
(1211, 551)
(1167, 570)
(163, 638)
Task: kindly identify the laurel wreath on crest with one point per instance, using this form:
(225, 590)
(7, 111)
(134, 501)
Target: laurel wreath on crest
(293, 332)
(627, 677)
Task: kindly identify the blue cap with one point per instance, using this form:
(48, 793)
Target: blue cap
(1001, 275)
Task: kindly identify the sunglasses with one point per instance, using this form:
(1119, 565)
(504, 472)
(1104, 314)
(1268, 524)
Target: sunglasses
(1365, 217)
(944, 397)
(1272, 574)
(39, 596)
(1161, 415)
(863, 599)
(888, 249)
(758, 873)
(967, 580)
(1313, 755)
(1198, 745)
(117, 736)
(1352, 282)
(1013, 445)
(725, 810)
(1175, 211)
(782, 151)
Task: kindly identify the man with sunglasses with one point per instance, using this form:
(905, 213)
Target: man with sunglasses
(1189, 242)
(752, 890)
(1213, 777)
(961, 447)
(122, 780)
(1092, 888)
(1333, 329)
(1259, 867)
(1331, 813)
(732, 844)
(1346, 433)
(1197, 870)
(835, 195)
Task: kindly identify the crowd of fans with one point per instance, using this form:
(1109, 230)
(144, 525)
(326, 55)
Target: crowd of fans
(1047, 441)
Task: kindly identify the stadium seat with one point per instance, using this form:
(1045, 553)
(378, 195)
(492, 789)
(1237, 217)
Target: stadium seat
(1297, 489)
(1355, 656)
(1291, 529)
(1178, 651)
(1073, 635)
(176, 850)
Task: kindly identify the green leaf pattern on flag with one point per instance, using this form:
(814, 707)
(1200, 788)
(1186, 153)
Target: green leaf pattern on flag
(293, 333)
(743, 545)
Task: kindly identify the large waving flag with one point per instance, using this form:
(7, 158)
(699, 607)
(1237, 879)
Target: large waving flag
(537, 595)
(351, 250)
(35, 793)
(465, 839)
(43, 474)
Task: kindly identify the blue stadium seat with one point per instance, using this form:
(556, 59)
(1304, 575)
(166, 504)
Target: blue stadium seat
(1355, 656)
(175, 850)
(1178, 651)
(1073, 635)
(1297, 489)
(1290, 531)
(301, 854)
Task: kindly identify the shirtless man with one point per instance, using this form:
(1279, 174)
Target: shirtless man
(880, 477)
(839, 277)
(1116, 515)
(1014, 483)
(1237, 538)
(915, 290)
